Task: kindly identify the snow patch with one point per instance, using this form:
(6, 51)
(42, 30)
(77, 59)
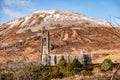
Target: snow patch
(25, 21)
(35, 28)
(46, 12)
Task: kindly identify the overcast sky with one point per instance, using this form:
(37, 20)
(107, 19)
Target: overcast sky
(103, 9)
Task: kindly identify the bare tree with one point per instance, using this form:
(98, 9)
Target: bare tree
(116, 31)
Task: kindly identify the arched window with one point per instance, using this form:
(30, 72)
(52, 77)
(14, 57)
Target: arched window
(68, 58)
(44, 41)
(49, 60)
(55, 59)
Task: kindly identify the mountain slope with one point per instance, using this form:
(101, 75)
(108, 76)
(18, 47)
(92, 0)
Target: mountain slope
(50, 19)
(69, 32)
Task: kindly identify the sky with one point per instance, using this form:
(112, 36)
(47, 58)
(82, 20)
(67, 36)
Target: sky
(103, 9)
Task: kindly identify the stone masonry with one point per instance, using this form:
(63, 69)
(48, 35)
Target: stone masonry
(52, 59)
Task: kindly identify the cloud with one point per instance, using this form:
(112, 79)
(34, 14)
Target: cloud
(7, 2)
(16, 2)
(16, 8)
(12, 13)
(12, 9)
(19, 5)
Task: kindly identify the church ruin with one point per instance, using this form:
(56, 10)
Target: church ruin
(52, 59)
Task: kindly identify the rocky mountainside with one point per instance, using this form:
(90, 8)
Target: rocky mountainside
(69, 33)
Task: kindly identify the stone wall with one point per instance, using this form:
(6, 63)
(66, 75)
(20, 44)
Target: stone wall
(54, 58)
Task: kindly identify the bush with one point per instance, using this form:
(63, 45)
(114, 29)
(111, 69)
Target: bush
(45, 75)
(88, 67)
(86, 73)
(35, 73)
(42, 73)
(7, 76)
(55, 72)
(67, 73)
(107, 64)
(69, 67)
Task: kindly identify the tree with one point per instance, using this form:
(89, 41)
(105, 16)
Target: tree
(107, 64)
(62, 62)
(76, 63)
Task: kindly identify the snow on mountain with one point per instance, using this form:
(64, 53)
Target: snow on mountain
(50, 19)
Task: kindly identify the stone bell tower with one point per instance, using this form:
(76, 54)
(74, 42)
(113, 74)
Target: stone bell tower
(44, 47)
